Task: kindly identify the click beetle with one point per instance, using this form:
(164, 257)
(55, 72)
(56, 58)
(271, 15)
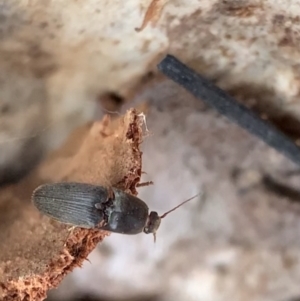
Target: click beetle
(92, 206)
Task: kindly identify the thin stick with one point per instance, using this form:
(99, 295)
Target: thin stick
(226, 105)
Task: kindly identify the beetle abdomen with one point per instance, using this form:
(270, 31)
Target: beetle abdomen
(71, 203)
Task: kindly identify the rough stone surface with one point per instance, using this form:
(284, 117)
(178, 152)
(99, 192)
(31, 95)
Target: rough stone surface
(58, 57)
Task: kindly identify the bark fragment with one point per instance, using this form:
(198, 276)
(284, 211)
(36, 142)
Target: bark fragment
(37, 252)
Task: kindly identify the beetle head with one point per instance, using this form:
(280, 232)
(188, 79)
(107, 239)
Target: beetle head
(154, 220)
(153, 223)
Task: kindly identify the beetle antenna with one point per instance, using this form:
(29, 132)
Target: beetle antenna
(166, 213)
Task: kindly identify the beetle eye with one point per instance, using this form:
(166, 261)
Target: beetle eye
(153, 223)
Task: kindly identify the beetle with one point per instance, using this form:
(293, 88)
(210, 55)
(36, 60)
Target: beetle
(93, 206)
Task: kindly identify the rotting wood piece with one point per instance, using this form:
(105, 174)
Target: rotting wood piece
(37, 252)
(152, 14)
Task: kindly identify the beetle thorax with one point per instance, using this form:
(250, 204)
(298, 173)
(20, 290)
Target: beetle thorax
(153, 223)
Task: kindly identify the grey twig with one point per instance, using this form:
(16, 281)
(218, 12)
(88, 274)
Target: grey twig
(226, 105)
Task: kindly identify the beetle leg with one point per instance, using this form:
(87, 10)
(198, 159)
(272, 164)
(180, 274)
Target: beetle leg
(101, 224)
(103, 205)
(110, 194)
(70, 230)
(144, 184)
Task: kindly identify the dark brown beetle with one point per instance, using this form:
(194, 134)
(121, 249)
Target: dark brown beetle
(90, 206)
